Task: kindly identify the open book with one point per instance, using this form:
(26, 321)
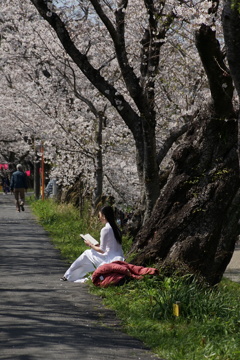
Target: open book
(89, 238)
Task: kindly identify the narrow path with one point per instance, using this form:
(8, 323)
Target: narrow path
(42, 317)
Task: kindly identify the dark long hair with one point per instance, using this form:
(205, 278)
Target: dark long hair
(107, 211)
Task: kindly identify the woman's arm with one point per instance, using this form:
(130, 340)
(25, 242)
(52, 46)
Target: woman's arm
(94, 247)
(101, 248)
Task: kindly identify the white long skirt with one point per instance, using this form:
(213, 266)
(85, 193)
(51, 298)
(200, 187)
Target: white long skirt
(87, 262)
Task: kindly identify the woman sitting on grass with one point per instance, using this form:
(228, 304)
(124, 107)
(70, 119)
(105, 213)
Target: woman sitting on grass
(109, 249)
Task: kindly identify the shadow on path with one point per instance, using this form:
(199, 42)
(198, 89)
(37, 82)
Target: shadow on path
(42, 317)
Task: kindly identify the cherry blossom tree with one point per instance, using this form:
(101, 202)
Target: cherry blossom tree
(139, 114)
(107, 66)
(162, 70)
(46, 103)
(194, 226)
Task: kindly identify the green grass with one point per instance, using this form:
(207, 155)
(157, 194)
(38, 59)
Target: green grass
(208, 326)
(209, 323)
(65, 226)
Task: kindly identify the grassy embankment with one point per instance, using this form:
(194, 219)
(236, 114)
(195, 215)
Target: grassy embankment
(209, 323)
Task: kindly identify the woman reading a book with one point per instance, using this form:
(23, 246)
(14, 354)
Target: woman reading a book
(109, 249)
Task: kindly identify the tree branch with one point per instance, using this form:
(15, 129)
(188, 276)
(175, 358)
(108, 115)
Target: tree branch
(118, 37)
(117, 100)
(173, 136)
(219, 79)
(152, 41)
(231, 30)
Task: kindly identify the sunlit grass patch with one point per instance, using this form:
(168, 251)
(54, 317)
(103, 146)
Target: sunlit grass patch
(64, 225)
(208, 326)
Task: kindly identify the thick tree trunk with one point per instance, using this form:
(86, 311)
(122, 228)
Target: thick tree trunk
(194, 224)
(150, 167)
(195, 220)
(231, 30)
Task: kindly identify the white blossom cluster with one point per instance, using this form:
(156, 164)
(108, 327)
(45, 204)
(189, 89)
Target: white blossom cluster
(46, 100)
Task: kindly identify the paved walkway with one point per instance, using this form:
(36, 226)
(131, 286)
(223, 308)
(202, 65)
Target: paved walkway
(233, 270)
(42, 317)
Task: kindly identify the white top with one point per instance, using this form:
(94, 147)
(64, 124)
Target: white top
(112, 250)
(90, 259)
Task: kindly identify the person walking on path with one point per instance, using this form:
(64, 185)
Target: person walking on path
(19, 185)
(109, 249)
(5, 185)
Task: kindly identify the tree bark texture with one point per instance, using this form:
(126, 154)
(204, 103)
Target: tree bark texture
(231, 30)
(220, 81)
(194, 224)
(195, 220)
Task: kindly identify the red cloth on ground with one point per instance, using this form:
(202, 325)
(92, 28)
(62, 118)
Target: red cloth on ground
(112, 273)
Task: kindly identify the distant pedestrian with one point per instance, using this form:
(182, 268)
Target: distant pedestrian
(5, 185)
(18, 185)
